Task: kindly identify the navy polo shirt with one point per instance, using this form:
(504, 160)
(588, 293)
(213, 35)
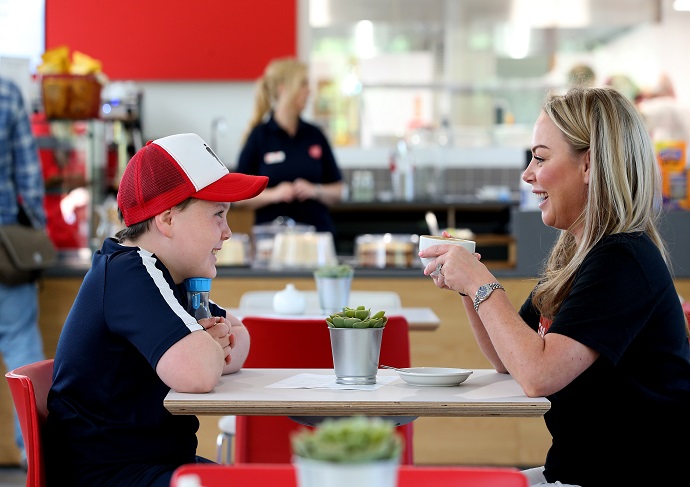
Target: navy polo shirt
(270, 151)
(106, 422)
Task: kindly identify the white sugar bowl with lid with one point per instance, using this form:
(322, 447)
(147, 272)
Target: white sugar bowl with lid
(289, 301)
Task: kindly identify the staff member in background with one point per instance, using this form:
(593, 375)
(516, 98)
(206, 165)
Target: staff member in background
(602, 335)
(304, 178)
(21, 177)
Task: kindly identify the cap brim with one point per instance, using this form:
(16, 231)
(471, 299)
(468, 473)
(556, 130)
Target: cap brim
(233, 187)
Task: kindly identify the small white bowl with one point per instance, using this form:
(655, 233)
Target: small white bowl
(434, 376)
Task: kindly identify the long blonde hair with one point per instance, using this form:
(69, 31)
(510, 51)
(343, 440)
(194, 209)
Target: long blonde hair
(624, 193)
(283, 71)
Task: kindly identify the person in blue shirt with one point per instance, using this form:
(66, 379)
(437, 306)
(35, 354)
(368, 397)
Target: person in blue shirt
(21, 179)
(304, 178)
(128, 339)
(602, 335)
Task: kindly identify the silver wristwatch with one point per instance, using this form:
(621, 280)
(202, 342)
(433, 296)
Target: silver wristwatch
(484, 292)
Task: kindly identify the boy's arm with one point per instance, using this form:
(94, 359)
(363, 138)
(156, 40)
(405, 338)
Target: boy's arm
(240, 349)
(194, 364)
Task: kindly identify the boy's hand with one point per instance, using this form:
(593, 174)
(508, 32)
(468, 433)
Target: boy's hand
(219, 328)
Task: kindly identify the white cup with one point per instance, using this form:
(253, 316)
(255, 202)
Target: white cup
(429, 240)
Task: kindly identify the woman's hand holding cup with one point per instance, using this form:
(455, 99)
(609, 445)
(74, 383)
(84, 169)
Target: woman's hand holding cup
(426, 241)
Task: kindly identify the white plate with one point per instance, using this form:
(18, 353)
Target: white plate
(434, 376)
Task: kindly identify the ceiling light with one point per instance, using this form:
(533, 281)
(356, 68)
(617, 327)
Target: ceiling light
(319, 13)
(551, 13)
(681, 5)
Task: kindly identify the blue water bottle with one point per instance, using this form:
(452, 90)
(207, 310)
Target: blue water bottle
(198, 289)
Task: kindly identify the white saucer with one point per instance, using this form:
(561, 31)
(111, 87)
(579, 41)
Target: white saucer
(434, 376)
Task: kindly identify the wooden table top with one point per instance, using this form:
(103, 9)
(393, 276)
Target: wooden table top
(254, 392)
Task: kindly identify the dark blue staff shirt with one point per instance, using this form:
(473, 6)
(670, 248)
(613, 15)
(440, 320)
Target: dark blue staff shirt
(270, 151)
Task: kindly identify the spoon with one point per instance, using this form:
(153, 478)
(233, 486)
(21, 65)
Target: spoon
(393, 368)
(432, 223)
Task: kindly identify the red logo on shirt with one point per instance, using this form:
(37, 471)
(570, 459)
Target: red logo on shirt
(544, 325)
(315, 151)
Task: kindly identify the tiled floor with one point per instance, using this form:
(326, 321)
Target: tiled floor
(12, 477)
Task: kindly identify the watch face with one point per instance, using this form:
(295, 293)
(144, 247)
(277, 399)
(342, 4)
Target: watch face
(482, 291)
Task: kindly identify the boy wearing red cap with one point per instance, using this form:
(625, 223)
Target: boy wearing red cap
(128, 338)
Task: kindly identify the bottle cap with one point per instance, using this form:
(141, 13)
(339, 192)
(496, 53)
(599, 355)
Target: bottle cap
(198, 284)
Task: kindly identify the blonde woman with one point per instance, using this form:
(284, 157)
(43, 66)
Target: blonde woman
(304, 178)
(602, 335)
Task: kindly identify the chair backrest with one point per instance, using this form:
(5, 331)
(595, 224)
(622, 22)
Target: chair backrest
(249, 475)
(291, 343)
(284, 475)
(29, 386)
(376, 300)
(445, 476)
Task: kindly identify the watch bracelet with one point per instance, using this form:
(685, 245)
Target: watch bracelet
(480, 299)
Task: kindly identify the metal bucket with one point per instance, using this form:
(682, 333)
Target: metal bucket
(356, 354)
(334, 293)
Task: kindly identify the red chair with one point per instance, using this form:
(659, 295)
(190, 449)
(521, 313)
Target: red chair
(29, 386)
(433, 476)
(278, 343)
(250, 475)
(284, 475)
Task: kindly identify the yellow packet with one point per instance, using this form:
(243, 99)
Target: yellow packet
(671, 156)
(55, 61)
(83, 64)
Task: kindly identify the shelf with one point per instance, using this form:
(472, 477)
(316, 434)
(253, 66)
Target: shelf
(74, 160)
(505, 84)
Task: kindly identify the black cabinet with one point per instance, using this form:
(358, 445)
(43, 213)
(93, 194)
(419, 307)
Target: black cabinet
(489, 221)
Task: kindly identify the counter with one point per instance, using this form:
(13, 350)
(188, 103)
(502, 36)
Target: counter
(78, 269)
(527, 243)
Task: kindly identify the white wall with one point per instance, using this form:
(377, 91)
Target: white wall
(174, 107)
(170, 108)
(191, 107)
(650, 51)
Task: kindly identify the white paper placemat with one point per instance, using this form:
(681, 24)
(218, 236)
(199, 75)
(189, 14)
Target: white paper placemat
(319, 381)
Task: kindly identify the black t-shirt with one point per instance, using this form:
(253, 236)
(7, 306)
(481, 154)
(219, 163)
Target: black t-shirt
(270, 151)
(625, 419)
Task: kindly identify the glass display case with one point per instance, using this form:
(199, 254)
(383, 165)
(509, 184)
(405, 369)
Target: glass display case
(81, 165)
